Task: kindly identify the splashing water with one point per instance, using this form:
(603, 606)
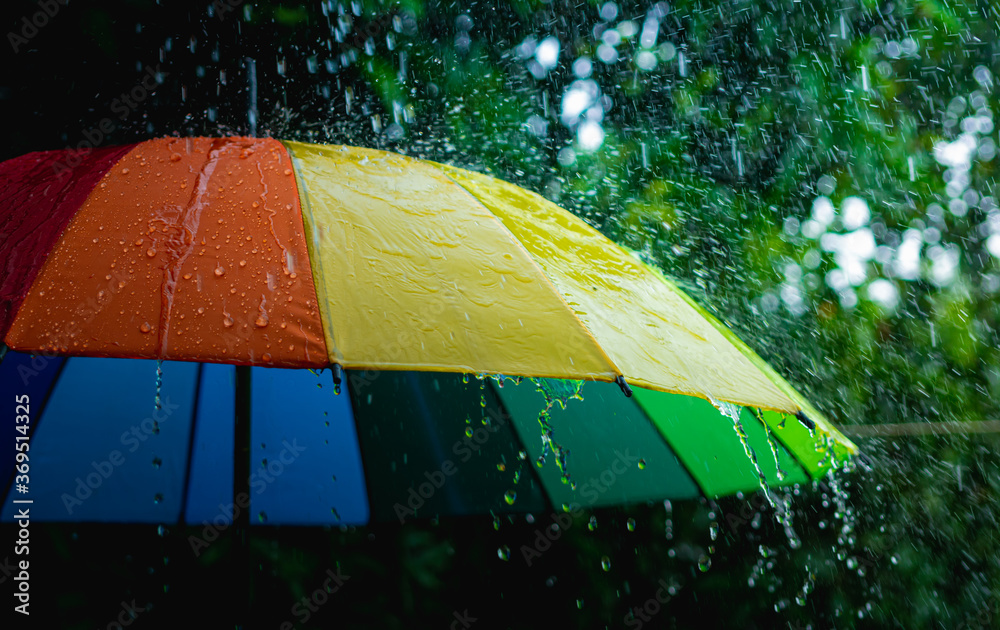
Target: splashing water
(555, 391)
(733, 413)
(772, 442)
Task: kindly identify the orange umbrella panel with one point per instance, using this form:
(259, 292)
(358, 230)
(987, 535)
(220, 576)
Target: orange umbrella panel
(186, 249)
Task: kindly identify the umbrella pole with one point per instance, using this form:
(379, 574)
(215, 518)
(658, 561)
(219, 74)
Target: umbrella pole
(241, 495)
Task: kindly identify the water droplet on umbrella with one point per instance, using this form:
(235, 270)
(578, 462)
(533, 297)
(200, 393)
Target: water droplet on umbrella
(227, 321)
(151, 252)
(145, 328)
(642, 464)
(261, 321)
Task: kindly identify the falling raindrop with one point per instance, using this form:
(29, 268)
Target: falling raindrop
(606, 563)
(503, 552)
(510, 496)
(704, 563)
(158, 402)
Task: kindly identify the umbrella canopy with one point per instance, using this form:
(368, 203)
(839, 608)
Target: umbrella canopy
(256, 252)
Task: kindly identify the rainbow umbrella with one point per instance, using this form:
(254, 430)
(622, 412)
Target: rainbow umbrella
(182, 314)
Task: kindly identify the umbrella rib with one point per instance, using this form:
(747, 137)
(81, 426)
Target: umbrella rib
(673, 449)
(190, 449)
(541, 272)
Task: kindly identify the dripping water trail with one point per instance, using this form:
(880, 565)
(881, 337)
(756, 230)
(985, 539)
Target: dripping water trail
(772, 442)
(733, 413)
(158, 401)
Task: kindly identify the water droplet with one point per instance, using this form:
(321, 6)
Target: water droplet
(161, 530)
(704, 563)
(713, 530)
(266, 357)
(219, 271)
(158, 401)
(642, 464)
(157, 462)
(151, 252)
(145, 328)
(630, 524)
(157, 498)
(262, 516)
(261, 321)
(227, 321)
(510, 496)
(606, 563)
(503, 552)
(175, 157)
(592, 523)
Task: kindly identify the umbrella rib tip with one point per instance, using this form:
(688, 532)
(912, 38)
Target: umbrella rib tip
(806, 422)
(620, 380)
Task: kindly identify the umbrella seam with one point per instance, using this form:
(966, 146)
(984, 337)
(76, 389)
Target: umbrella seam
(315, 260)
(614, 367)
